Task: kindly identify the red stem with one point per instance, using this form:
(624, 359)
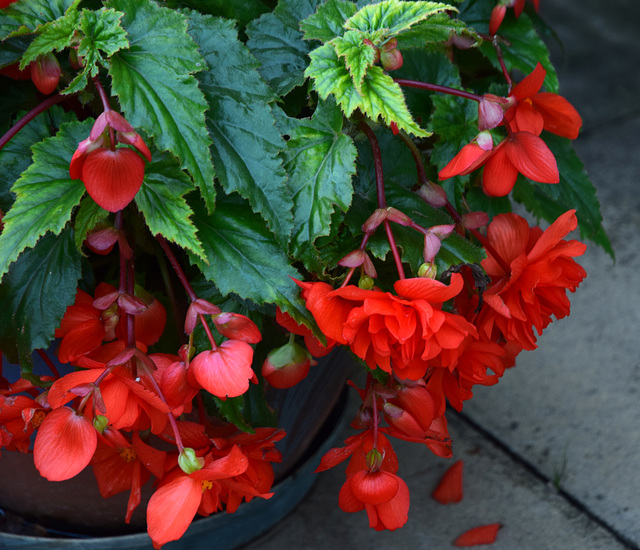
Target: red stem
(33, 113)
(436, 88)
(45, 358)
(176, 267)
(382, 200)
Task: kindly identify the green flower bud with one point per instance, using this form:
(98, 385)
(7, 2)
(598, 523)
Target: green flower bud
(189, 462)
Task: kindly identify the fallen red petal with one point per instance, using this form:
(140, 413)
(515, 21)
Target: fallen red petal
(449, 489)
(484, 534)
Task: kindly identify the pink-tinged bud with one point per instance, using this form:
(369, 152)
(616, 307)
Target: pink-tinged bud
(102, 241)
(484, 141)
(117, 121)
(433, 195)
(287, 365)
(427, 271)
(363, 418)
(368, 267)
(391, 60)
(189, 462)
(442, 231)
(398, 217)
(462, 42)
(490, 114)
(131, 304)
(355, 258)
(374, 220)
(198, 306)
(432, 246)
(475, 220)
(45, 73)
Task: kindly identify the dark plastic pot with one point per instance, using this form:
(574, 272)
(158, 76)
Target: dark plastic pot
(313, 413)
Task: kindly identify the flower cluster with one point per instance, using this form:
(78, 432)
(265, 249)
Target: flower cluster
(188, 227)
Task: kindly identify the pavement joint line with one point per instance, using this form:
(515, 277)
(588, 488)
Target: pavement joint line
(538, 474)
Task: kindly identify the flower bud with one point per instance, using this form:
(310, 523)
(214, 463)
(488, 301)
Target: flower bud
(490, 114)
(287, 365)
(189, 462)
(427, 270)
(391, 60)
(100, 423)
(374, 460)
(45, 73)
(433, 194)
(366, 282)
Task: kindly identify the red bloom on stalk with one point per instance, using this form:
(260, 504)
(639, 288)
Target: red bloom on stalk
(499, 11)
(225, 371)
(398, 333)
(519, 153)
(112, 175)
(174, 505)
(540, 271)
(535, 110)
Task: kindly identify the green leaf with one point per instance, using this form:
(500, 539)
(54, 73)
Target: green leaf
(526, 49)
(88, 216)
(39, 286)
(245, 153)
(358, 56)
(244, 259)
(437, 28)
(157, 91)
(276, 41)
(242, 11)
(45, 195)
(54, 36)
(12, 49)
(394, 16)
(102, 32)
(29, 15)
(380, 96)
(232, 410)
(165, 211)
(328, 20)
(320, 161)
(575, 191)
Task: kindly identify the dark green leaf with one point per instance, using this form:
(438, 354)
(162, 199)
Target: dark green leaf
(157, 91)
(393, 16)
(358, 56)
(12, 49)
(328, 20)
(165, 211)
(437, 28)
(45, 195)
(245, 152)
(54, 36)
(29, 15)
(320, 161)
(245, 259)
(276, 41)
(231, 409)
(39, 286)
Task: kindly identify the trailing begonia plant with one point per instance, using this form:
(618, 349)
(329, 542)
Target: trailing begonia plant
(199, 199)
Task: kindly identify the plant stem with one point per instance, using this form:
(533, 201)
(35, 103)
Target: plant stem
(382, 200)
(176, 267)
(47, 360)
(33, 113)
(436, 88)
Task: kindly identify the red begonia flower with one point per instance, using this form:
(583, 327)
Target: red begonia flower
(541, 270)
(449, 489)
(287, 365)
(484, 534)
(535, 110)
(225, 371)
(64, 444)
(237, 327)
(174, 505)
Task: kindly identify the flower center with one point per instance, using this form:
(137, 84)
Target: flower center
(128, 454)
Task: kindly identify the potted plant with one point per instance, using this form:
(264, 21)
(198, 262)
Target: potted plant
(200, 199)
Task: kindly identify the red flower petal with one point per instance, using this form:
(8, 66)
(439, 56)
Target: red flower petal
(484, 534)
(560, 117)
(225, 371)
(497, 15)
(530, 84)
(172, 508)
(64, 445)
(470, 157)
(450, 487)
(113, 178)
(374, 487)
(528, 118)
(394, 514)
(532, 158)
(499, 174)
